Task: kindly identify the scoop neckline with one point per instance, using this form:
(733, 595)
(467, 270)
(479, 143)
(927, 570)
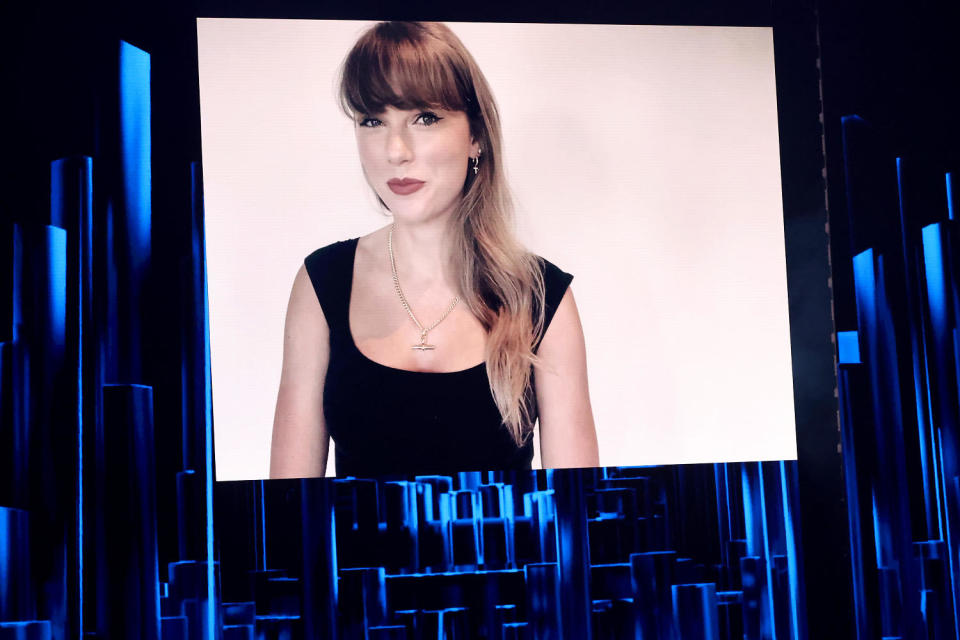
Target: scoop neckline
(353, 343)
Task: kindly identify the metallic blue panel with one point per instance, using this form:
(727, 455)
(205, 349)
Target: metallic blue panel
(136, 148)
(935, 278)
(848, 347)
(952, 195)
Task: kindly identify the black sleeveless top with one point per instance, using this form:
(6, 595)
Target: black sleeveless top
(393, 421)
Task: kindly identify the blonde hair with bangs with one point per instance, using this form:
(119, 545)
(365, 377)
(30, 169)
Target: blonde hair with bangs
(410, 65)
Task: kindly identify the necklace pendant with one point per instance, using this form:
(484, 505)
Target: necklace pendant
(423, 346)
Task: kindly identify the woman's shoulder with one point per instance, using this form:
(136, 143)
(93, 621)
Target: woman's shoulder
(555, 280)
(329, 269)
(334, 252)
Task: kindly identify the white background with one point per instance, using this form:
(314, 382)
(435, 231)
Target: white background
(644, 160)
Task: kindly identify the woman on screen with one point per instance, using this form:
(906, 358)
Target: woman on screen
(433, 344)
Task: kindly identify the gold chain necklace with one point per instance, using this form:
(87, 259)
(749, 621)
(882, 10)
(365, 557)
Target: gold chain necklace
(423, 346)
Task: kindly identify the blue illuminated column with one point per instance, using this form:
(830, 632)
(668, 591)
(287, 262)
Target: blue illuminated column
(362, 600)
(753, 574)
(573, 552)
(906, 309)
(760, 600)
(194, 325)
(188, 587)
(539, 507)
(128, 597)
(466, 528)
(71, 207)
(790, 499)
(16, 584)
(953, 196)
(401, 536)
(695, 611)
(319, 559)
(8, 454)
(651, 574)
(943, 379)
(498, 526)
(852, 388)
(43, 444)
(887, 474)
(129, 212)
(195, 482)
(543, 600)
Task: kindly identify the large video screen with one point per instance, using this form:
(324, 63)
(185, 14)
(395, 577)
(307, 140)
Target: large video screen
(642, 160)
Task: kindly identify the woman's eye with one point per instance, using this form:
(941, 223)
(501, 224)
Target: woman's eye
(428, 118)
(369, 122)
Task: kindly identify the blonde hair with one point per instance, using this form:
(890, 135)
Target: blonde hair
(418, 65)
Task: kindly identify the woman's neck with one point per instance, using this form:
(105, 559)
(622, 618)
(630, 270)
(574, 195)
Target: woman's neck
(423, 251)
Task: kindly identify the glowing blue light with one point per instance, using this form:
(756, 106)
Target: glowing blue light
(792, 564)
(748, 515)
(933, 268)
(876, 528)
(950, 211)
(208, 453)
(135, 147)
(864, 282)
(57, 285)
(767, 555)
(848, 347)
(6, 550)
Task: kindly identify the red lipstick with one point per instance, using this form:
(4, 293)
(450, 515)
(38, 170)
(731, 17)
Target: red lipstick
(405, 186)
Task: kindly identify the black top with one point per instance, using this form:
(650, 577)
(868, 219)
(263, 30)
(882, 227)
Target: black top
(386, 420)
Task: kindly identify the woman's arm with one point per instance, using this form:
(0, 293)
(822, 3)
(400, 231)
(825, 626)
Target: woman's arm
(300, 440)
(567, 434)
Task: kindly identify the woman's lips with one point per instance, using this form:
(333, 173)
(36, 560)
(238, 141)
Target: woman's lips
(404, 187)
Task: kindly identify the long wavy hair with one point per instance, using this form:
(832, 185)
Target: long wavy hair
(422, 65)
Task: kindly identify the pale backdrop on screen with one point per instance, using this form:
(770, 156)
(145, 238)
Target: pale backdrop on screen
(644, 160)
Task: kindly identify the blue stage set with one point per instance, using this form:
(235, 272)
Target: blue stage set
(699, 551)
(898, 384)
(111, 524)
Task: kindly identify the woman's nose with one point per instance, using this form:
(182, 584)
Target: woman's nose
(399, 149)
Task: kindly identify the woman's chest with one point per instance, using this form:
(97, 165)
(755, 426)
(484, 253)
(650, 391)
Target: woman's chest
(425, 333)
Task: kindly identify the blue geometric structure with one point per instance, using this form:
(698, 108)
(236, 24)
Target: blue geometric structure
(698, 550)
(705, 551)
(41, 443)
(899, 406)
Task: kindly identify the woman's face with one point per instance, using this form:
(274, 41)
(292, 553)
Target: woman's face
(416, 160)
